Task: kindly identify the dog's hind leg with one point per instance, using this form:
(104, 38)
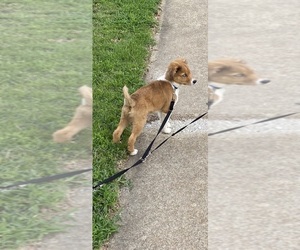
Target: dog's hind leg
(124, 121)
(137, 128)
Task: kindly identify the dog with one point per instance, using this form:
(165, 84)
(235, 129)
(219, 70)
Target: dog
(153, 97)
(82, 118)
(224, 72)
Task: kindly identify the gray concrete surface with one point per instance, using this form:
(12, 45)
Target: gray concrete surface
(254, 172)
(166, 208)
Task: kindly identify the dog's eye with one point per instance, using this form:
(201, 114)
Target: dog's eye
(184, 75)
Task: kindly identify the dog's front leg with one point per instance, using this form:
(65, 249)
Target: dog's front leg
(167, 128)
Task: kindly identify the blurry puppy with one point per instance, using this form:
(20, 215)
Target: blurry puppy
(81, 119)
(224, 72)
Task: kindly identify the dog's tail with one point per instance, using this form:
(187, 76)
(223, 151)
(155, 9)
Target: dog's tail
(128, 101)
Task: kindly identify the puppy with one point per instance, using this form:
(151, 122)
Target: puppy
(224, 72)
(153, 97)
(81, 119)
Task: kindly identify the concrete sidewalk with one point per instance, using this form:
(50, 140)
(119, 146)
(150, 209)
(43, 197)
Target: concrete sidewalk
(254, 171)
(167, 205)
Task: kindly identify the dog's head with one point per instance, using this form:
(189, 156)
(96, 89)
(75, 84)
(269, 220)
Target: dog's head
(179, 72)
(232, 71)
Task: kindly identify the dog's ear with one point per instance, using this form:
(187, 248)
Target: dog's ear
(173, 68)
(176, 69)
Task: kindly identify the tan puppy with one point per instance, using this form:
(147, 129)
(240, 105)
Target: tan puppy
(224, 72)
(81, 119)
(153, 97)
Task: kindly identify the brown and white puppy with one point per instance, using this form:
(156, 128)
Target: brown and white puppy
(153, 97)
(82, 118)
(224, 72)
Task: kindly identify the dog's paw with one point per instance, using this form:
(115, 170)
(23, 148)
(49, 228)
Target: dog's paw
(134, 152)
(167, 130)
(116, 140)
(61, 136)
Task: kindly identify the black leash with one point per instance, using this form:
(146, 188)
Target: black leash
(262, 121)
(179, 130)
(144, 156)
(141, 160)
(148, 150)
(45, 179)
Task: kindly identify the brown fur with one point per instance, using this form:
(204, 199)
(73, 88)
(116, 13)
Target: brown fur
(229, 72)
(81, 119)
(156, 96)
(232, 72)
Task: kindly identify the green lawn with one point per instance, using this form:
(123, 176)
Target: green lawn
(122, 37)
(45, 55)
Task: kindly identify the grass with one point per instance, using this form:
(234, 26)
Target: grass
(122, 37)
(46, 54)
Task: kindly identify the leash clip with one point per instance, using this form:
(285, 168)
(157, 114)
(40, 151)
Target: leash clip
(144, 158)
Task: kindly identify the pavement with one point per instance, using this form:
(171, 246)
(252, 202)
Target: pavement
(166, 207)
(251, 174)
(253, 191)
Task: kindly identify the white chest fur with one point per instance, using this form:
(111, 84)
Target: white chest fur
(174, 86)
(176, 93)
